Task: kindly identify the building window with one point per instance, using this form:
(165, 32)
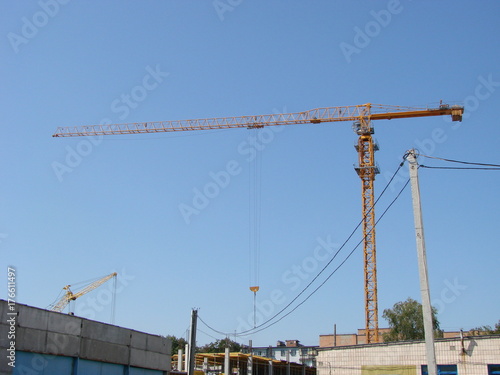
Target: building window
(493, 369)
(293, 352)
(283, 353)
(442, 370)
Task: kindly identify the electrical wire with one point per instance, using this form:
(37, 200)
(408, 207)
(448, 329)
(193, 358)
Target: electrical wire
(259, 327)
(334, 256)
(461, 168)
(338, 267)
(213, 329)
(197, 329)
(263, 326)
(460, 162)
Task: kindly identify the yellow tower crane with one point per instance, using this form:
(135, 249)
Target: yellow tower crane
(70, 296)
(361, 115)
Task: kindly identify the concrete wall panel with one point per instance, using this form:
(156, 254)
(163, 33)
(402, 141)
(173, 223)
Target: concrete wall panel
(62, 323)
(5, 369)
(105, 332)
(50, 333)
(3, 312)
(137, 357)
(31, 340)
(4, 345)
(104, 351)
(4, 339)
(158, 344)
(32, 317)
(138, 340)
(157, 361)
(61, 344)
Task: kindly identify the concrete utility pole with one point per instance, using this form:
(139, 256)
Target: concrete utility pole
(192, 342)
(179, 359)
(250, 359)
(227, 361)
(422, 264)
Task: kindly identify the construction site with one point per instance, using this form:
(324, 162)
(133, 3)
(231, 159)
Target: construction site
(68, 343)
(219, 159)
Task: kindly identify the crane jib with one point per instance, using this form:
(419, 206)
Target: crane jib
(314, 116)
(361, 115)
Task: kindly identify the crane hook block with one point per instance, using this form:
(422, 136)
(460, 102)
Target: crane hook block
(254, 289)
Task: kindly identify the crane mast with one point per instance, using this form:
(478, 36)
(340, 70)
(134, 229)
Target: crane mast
(367, 170)
(361, 115)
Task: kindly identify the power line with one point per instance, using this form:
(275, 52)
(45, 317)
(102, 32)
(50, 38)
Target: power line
(330, 261)
(338, 267)
(261, 326)
(199, 330)
(460, 162)
(215, 330)
(461, 168)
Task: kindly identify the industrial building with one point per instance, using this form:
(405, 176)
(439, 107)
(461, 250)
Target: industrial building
(469, 355)
(38, 341)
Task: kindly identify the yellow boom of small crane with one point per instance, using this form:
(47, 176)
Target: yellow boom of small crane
(70, 296)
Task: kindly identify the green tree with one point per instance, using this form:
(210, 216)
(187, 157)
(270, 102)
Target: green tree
(485, 330)
(406, 321)
(177, 343)
(219, 346)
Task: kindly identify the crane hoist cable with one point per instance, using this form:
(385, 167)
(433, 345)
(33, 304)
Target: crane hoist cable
(269, 322)
(255, 210)
(113, 301)
(69, 295)
(362, 115)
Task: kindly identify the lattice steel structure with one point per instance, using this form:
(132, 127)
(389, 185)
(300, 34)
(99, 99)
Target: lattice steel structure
(361, 115)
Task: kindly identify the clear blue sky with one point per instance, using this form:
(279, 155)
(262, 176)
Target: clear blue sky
(73, 209)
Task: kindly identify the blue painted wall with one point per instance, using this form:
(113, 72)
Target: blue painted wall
(44, 364)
